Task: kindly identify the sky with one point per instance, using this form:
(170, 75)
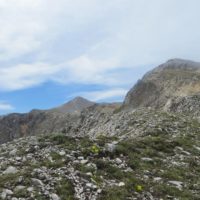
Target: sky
(52, 51)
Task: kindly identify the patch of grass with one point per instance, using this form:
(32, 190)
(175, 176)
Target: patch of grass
(84, 168)
(23, 193)
(40, 196)
(97, 179)
(84, 142)
(107, 169)
(65, 190)
(102, 140)
(56, 164)
(163, 190)
(55, 156)
(114, 193)
(177, 174)
(61, 139)
(8, 179)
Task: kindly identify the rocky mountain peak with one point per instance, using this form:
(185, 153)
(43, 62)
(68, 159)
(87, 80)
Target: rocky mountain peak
(179, 64)
(175, 78)
(75, 105)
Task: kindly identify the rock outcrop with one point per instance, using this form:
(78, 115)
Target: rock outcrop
(158, 88)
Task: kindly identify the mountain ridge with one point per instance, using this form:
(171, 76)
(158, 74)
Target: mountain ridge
(146, 149)
(171, 87)
(173, 79)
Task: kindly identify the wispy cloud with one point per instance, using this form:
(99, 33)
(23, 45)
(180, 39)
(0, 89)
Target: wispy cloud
(92, 41)
(109, 94)
(5, 107)
(25, 75)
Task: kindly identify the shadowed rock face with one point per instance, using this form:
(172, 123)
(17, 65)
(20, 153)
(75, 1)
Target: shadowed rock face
(173, 79)
(38, 121)
(20, 125)
(74, 118)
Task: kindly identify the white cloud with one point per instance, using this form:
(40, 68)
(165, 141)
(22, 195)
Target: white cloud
(92, 41)
(115, 93)
(25, 75)
(83, 70)
(5, 106)
(87, 70)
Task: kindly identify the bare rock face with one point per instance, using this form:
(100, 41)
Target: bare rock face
(173, 79)
(189, 105)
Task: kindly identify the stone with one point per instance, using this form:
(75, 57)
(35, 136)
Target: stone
(157, 179)
(19, 187)
(20, 179)
(5, 193)
(13, 152)
(37, 182)
(62, 153)
(89, 185)
(121, 184)
(197, 148)
(186, 153)
(80, 158)
(55, 197)
(10, 170)
(177, 184)
(118, 161)
(147, 159)
(99, 191)
(110, 147)
(30, 189)
(89, 174)
(84, 162)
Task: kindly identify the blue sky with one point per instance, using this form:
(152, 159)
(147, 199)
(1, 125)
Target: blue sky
(52, 51)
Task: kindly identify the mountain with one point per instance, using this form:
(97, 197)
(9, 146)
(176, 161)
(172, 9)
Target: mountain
(174, 79)
(75, 105)
(147, 148)
(173, 87)
(69, 118)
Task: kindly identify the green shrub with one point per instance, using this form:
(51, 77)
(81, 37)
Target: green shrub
(114, 193)
(65, 190)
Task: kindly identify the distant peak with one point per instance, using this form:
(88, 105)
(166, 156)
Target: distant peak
(75, 105)
(177, 60)
(79, 98)
(180, 60)
(178, 63)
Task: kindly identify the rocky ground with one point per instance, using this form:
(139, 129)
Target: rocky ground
(160, 163)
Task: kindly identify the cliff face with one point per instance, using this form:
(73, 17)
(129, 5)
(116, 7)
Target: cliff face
(159, 87)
